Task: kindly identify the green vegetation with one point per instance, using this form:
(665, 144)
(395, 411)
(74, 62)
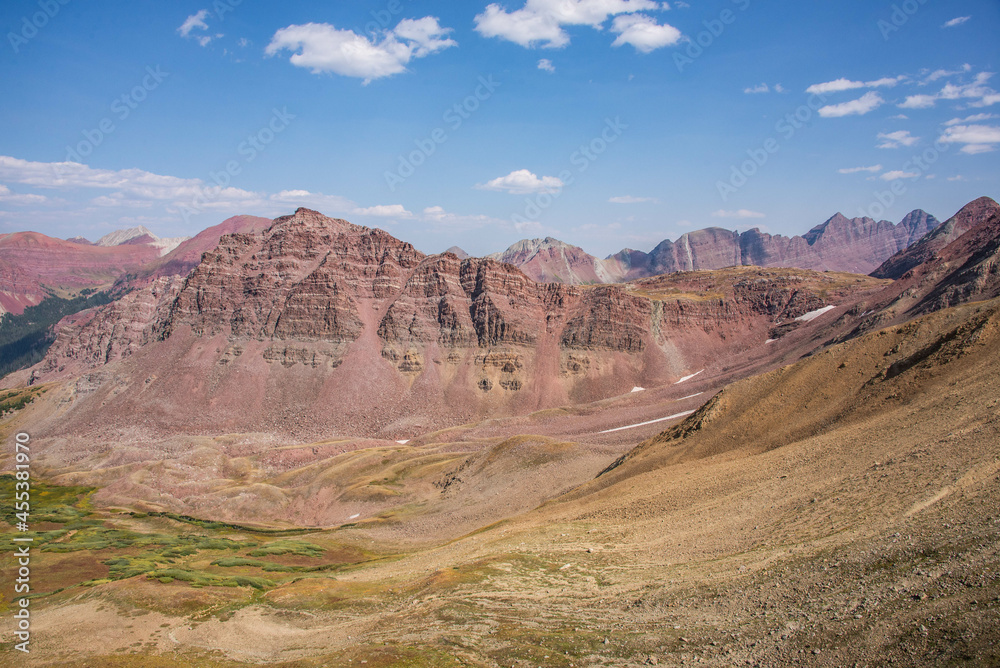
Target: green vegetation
(15, 400)
(288, 547)
(25, 338)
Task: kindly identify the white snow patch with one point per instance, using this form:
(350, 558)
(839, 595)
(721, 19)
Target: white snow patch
(354, 516)
(691, 396)
(688, 377)
(403, 442)
(564, 566)
(643, 424)
(770, 341)
(638, 389)
(812, 315)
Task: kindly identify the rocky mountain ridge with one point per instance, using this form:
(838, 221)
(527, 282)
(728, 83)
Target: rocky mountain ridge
(316, 320)
(857, 245)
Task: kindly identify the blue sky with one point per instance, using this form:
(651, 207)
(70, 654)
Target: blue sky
(605, 123)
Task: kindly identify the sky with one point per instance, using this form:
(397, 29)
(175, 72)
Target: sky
(605, 123)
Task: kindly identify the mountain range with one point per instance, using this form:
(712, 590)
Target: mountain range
(321, 446)
(855, 245)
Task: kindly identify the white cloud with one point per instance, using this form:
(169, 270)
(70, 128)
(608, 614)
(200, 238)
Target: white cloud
(839, 85)
(741, 213)
(540, 22)
(762, 88)
(896, 139)
(522, 182)
(323, 48)
(897, 174)
(975, 118)
(918, 102)
(628, 199)
(977, 91)
(854, 170)
(384, 211)
(956, 21)
(643, 32)
(192, 22)
(957, 177)
(866, 103)
(8, 197)
(942, 73)
(546, 64)
(136, 188)
(977, 138)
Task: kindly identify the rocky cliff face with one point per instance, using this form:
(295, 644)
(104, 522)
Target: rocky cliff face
(317, 325)
(956, 263)
(856, 245)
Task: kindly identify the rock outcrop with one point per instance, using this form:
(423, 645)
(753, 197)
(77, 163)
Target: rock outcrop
(316, 324)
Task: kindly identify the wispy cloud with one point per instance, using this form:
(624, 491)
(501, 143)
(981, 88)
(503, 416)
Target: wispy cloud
(196, 22)
(896, 139)
(897, 174)
(628, 199)
(322, 48)
(741, 213)
(761, 88)
(957, 21)
(854, 170)
(840, 85)
(546, 65)
(863, 105)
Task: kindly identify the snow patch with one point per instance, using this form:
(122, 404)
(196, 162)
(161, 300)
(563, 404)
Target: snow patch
(688, 377)
(812, 315)
(354, 516)
(638, 389)
(691, 396)
(403, 442)
(643, 424)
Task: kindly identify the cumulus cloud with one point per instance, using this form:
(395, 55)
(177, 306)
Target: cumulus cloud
(322, 48)
(541, 22)
(854, 170)
(896, 139)
(628, 199)
(863, 105)
(522, 182)
(762, 88)
(840, 85)
(546, 65)
(977, 138)
(741, 213)
(643, 33)
(957, 21)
